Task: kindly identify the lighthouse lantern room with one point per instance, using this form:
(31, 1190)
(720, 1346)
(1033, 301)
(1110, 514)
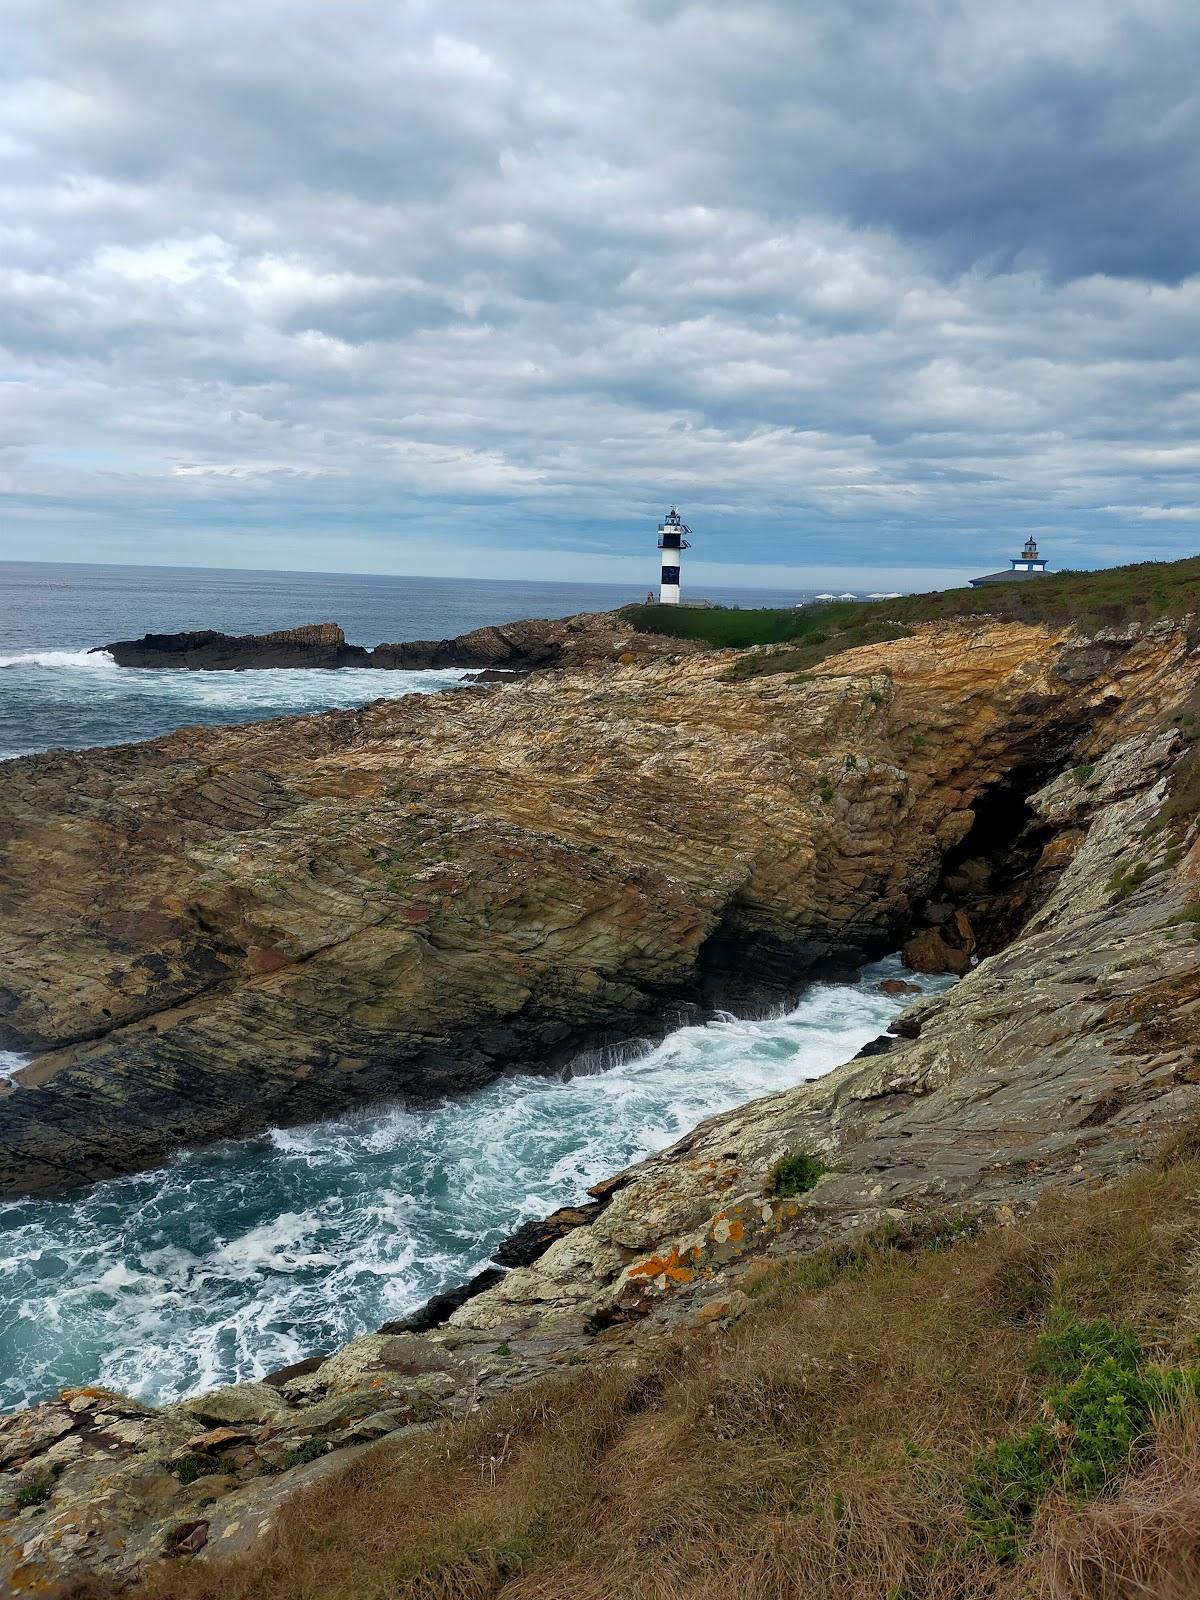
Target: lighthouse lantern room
(672, 539)
(1029, 560)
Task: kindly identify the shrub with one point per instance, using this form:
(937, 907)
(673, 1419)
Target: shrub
(33, 1493)
(1008, 1485)
(1103, 1407)
(795, 1173)
(310, 1450)
(188, 1468)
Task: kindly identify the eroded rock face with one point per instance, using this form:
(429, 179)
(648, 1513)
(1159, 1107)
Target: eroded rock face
(1053, 1063)
(1056, 1062)
(228, 928)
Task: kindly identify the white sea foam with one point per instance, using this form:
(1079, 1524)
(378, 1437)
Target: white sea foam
(249, 1255)
(11, 1061)
(78, 698)
(75, 660)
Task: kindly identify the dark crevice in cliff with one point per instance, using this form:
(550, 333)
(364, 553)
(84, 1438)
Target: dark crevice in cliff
(993, 881)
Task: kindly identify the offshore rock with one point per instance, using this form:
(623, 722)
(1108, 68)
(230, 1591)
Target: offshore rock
(512, 647)
(319, 644)
(229, 928)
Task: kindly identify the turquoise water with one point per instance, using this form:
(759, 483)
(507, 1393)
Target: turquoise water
(244, 1257)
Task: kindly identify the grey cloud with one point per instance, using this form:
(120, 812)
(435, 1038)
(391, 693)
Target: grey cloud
(871, 268)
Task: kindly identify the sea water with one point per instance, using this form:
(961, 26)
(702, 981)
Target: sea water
(53, 691)
(249, 1255)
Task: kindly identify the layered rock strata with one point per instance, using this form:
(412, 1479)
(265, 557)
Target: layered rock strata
(1054, 1064)
(227, 928)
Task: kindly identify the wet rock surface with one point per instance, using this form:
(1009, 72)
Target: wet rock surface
(1055, 1063)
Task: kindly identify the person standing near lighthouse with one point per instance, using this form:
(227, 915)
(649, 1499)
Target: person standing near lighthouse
(672, 539)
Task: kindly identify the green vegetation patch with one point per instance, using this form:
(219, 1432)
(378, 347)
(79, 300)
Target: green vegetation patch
(188, 1468)
(795, 1173)
(33, 1493)
(1101, 1408)
(1128, 880)
(820, 646)
(310, 1450)
(1179, 812)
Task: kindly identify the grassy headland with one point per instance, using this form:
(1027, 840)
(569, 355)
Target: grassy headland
(922, 1416)
(1108, 598)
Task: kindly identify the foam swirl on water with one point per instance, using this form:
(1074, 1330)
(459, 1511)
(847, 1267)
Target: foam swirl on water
(244, 1257)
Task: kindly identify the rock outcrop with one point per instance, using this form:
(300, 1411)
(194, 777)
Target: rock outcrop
(227, 928)
(510, 647)
(319, 644)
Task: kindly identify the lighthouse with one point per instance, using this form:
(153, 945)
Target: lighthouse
(1029, 564)
(672, 539)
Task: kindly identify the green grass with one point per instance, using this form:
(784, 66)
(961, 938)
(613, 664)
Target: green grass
(1108, 598)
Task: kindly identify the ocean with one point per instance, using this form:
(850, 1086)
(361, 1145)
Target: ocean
(53, 692)
(236, 1259)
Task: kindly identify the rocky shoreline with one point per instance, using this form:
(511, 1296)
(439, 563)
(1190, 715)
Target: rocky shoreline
(1007, 797)
(510, 647)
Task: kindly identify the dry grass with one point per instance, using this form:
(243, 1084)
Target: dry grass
(815, 1452)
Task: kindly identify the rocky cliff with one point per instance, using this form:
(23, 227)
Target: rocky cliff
(614, 840)
(230, 927)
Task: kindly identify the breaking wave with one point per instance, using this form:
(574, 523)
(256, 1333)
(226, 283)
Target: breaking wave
(76, 698)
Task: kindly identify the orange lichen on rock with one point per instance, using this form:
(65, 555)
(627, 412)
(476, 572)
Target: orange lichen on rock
(670, 1266)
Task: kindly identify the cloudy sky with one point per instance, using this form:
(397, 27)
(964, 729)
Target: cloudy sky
(482, 285)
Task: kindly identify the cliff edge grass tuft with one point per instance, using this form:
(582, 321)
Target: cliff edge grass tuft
(1010, 1414)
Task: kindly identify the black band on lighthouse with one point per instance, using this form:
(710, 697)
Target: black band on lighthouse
(670, 575)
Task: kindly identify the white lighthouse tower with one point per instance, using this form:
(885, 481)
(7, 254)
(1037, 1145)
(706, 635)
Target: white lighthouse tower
(672, 538)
